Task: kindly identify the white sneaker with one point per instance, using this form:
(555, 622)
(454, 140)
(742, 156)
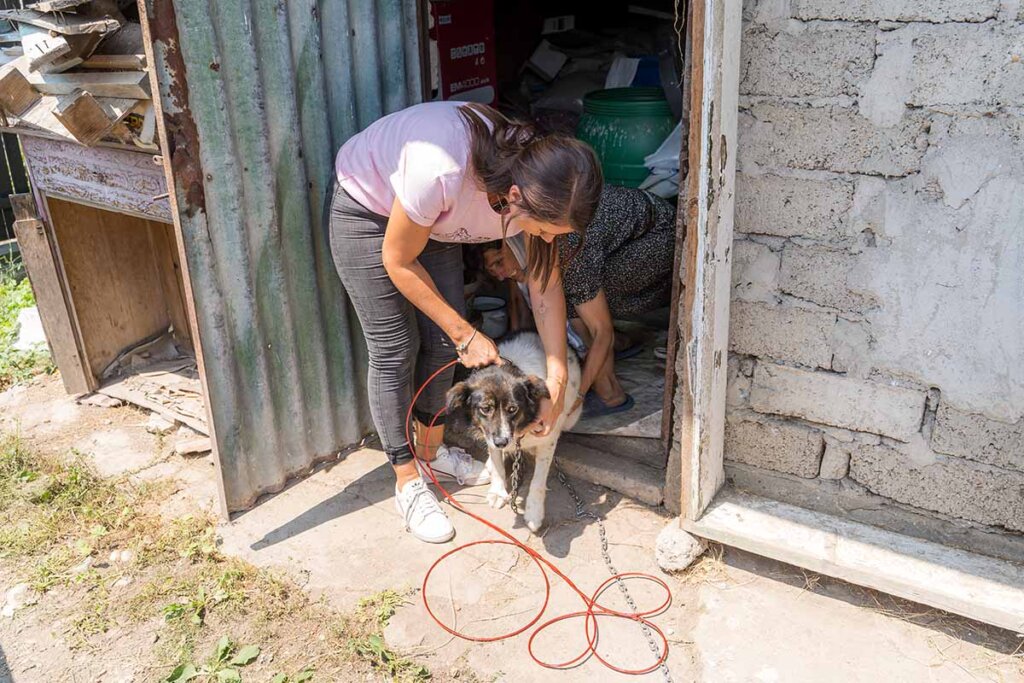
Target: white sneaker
(454, 463)
(423, 515)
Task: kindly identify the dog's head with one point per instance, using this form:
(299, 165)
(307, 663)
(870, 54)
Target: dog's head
(499, 402)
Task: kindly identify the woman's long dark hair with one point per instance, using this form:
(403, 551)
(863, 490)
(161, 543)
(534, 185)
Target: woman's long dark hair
(558, 176)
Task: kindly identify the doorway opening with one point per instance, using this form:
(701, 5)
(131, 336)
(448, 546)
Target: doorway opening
(540, 61)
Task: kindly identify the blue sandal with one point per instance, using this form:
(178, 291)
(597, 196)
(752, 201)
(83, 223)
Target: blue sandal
(629, 352)
(594, 407)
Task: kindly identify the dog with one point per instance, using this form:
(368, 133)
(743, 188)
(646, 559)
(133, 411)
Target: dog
(495, 407)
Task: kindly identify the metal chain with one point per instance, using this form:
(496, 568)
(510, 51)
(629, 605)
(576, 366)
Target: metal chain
(581, 513)
(517, 464)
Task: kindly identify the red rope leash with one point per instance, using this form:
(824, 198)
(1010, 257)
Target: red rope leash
(593, 610)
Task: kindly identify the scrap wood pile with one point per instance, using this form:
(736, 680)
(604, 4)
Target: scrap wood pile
(75, 69)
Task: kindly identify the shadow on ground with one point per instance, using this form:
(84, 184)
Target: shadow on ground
(951, 625)
(367, 490)
(5, 670)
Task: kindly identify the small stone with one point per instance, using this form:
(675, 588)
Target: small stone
(126, 557)
(675, 549)
(158, 424)
(82, 567)
(123, 581)
(195, 446)
(19, 596)
(186, 432)
(835, 464)
(115, 555)
(100, 401)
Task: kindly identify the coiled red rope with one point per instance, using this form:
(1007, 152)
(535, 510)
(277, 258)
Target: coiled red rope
(592, 611)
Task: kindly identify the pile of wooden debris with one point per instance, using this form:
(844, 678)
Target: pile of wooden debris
(75, 69)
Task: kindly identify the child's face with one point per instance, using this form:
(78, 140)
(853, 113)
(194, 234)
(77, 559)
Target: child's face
(502, 264)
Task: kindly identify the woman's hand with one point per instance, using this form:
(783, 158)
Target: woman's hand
(480, 351)
(550, 408)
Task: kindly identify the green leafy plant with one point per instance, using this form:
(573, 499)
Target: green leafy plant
(223, 666)
(301, 677)
(195, 608)
(374, 650)
(380, 607)
(16, 295)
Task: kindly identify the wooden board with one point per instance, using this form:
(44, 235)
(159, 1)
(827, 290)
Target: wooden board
(169, 266)
(81, 47)
(115, 287)
(40, 47)
(122, 181)
(130, 84)
(54, 311)
(89, 118)
(715, 32)
(116, 62)
(668, 411)
(169, 388)
(16, 94)
(67, 24)
(975, 586)
(55, 5)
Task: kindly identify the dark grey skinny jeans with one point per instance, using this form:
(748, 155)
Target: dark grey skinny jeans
(405, 346)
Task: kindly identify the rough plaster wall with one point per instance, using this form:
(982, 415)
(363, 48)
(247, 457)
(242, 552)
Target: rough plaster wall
(877, 325)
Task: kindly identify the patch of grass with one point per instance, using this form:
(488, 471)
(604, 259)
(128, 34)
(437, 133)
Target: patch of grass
(374, 650)
(16, 295)
(75, 535)
(45, 503)
(381, 606)
(371, 618)
(223, 665)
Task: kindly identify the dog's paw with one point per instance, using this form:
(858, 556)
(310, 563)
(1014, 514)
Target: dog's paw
(497, 499)
(534, 516)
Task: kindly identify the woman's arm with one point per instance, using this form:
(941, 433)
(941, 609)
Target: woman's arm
(404, 241)
(550, 318)
(598, 319)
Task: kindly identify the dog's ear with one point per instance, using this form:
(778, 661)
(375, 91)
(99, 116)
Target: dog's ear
(458, 398)
(537, 389)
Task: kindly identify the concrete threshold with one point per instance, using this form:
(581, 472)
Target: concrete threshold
(630, 466)
(972, 585)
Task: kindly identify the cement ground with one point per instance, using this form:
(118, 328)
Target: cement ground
(734, 616)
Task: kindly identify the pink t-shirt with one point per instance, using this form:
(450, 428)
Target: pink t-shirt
(420, 155)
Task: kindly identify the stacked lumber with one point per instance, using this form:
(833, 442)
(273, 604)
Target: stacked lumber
(75, 69)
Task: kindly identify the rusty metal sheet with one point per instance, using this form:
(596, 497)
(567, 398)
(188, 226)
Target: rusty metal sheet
(111, 179)
(256, 99)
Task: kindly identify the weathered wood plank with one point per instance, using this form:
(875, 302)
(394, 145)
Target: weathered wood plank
(81, 47)
(116, 62)
(130, 84)
(40, 47)
(708, 246)
(112, 277)
(67, 24)
(975, 586)
(119, 180)
(16, 94)
(55, 5)
(54, 310)
(89, 118)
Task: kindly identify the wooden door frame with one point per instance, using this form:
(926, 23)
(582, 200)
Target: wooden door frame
(700, 359)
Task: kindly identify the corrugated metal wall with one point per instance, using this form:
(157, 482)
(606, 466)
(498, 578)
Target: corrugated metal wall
(257, 98)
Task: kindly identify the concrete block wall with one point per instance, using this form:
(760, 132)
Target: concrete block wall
(877, 322)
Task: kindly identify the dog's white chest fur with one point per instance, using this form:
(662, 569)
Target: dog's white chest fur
(527, 352)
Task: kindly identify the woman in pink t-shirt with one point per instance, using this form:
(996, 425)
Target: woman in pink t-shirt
(409, 190)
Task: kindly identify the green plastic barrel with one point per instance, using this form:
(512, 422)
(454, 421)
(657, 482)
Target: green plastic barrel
(624, 125)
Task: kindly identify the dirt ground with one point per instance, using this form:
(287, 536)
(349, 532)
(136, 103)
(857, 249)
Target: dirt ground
(321, 577)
